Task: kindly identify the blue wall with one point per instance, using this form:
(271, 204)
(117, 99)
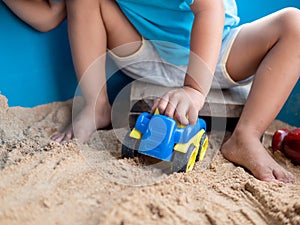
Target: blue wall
(36, 68)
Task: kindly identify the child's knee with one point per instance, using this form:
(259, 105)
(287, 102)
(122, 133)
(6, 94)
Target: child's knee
(80, 3)
(289, 22)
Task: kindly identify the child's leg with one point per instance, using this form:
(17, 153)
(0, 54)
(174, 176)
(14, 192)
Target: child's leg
(94, 26)
(269, 48)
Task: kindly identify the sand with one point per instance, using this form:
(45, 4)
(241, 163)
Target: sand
(43, 182)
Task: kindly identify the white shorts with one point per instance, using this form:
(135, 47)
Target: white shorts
(147, 65)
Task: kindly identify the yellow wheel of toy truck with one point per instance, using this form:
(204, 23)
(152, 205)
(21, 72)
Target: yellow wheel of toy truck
(184, 162)
(202, 148)
(129, 146)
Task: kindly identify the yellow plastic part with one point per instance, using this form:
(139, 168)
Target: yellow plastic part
(179, 125)
(135, 134)
(156, 112)
(203, 149)
(192, 160)
(183, 147)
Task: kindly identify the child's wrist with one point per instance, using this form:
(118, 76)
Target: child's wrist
(196, 89)
(196, 96)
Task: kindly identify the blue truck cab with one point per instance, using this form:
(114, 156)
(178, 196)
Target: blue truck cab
(161, 137)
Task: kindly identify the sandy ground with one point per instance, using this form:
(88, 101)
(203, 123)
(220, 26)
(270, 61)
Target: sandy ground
(43, 182)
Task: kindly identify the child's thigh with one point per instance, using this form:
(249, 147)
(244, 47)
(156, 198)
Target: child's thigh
(252, 43)
(119, 30)
(103, 16)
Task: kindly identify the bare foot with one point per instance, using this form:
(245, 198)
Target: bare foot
(85, 123)
(248, 152)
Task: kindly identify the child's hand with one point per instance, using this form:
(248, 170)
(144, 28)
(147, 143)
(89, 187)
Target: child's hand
(182, 104)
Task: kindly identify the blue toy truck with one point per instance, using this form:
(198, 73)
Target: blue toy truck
(161, 137)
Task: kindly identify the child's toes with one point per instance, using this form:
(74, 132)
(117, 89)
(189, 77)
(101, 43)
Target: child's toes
(283, 175)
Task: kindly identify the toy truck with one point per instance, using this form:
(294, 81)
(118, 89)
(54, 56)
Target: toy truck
(161, 137)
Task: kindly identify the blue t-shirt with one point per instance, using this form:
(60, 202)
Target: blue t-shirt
(168, 24)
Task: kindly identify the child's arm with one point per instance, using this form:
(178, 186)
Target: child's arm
(206, 38)
(42, 15)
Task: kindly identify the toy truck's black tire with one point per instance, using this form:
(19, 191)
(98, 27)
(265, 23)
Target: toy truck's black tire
(180, 160)
(129, 146)
(200, 146)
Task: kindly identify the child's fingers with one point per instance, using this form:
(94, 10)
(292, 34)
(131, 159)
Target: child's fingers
(171, 107)
(162, 104)
(155, 104)
(181, 113)
(192, 115)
